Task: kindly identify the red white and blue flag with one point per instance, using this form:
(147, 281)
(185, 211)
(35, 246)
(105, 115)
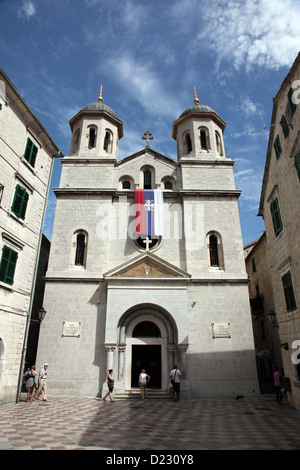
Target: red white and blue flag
(149, 210)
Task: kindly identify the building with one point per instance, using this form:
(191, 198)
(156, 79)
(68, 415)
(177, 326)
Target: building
(117, 297)
(266, 338)
(26, 158)
(279, 206)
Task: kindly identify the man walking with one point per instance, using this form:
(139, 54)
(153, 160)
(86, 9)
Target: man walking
(175, 375)
(42, 383)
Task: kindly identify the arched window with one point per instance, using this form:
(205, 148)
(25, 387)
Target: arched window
(107, 144)
(92, 137)
(76, 141)
(204, 139)
(187, 143)
(215, 251)
(146, 329)
(126, 184)
(147, 179)
(219, 144)
(80, 249)
(168, 185)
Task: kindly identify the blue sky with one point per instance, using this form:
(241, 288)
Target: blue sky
(149, 56)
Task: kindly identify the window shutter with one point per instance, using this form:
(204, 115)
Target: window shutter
(30, 152)
(297, 163)
(289, 295)
(293, 106)
(276, 217)
(277, 147)
(8, 265)
(284, 126)
(20, 202)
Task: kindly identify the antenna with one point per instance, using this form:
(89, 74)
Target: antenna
(267, 127)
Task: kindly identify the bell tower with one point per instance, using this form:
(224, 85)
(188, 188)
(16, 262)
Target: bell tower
(199, 133)
(96, 131)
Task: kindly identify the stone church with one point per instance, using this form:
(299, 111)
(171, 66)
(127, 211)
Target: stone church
(125, 299)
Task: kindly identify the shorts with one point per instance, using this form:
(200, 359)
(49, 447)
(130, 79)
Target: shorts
(176, 387)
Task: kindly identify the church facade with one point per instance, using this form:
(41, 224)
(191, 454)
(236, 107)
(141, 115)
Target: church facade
(120, 300)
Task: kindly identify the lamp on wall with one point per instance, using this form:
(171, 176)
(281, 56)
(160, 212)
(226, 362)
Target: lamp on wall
(273, 319)
(42, 313)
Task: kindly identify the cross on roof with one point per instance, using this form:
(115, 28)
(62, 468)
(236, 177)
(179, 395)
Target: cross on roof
(100, 91)
(147, 136)
(195, 91)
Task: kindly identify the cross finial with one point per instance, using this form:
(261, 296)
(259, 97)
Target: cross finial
(100, 91)
(195, 91)
(147, 136)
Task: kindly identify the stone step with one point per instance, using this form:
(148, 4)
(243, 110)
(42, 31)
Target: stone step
(132, 394)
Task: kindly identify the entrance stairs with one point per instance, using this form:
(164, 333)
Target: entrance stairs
(135, 393)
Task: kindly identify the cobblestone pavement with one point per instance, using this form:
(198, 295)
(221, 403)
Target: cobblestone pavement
(153, 424)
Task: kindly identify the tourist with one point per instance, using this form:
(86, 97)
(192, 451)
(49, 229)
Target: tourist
(110, 384)
(175, 375)
(143, 380)
(42, 383)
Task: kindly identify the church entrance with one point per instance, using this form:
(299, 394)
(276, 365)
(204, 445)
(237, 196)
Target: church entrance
(146, 357)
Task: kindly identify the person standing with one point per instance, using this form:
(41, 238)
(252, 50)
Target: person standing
(143, 380)
(42, 383)
(110, 384)
(278, 386)
(30, 376)
(175, 375)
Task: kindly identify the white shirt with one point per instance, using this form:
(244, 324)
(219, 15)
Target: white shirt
(175, 375)
(143, 378)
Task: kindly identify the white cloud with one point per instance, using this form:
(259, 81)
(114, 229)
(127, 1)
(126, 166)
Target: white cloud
(245, 33)
(144, 85)
(28, 9)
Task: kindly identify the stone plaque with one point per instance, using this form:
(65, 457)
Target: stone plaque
(71, 328)
(221, 330)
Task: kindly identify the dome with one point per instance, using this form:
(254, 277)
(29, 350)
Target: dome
(99, 107)
(198, 108)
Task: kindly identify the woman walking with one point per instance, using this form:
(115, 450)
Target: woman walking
(110, 384)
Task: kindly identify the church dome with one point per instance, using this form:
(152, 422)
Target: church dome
(99, 107)
(198, 108)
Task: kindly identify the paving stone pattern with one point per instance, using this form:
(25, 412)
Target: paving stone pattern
(152, 424)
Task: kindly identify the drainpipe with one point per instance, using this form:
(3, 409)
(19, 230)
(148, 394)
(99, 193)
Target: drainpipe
(24, 350)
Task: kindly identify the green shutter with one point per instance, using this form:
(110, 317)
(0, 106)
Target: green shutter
(20, 202)
(297, 163)
(8, 265)
(277, 146)
(293, 106)
(284, 126)
(276, 217)
(289, 295)
(30, 152)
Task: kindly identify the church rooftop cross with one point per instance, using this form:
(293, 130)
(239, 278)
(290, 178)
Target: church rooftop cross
(147, 136)
(194, 92)
(100, 91)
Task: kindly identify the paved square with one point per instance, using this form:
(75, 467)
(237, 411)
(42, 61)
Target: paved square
(152, 424)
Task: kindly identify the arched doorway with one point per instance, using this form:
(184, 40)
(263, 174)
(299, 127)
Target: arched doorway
(147, 331)
(146, 356)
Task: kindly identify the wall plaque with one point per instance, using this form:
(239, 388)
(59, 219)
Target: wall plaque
(221, 330)
(71, 328)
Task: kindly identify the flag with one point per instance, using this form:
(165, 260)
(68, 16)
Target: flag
(149, 212)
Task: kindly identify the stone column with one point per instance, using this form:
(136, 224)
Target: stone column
(171, 356)
(182, 348)
(110, 348)
(122, 348)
